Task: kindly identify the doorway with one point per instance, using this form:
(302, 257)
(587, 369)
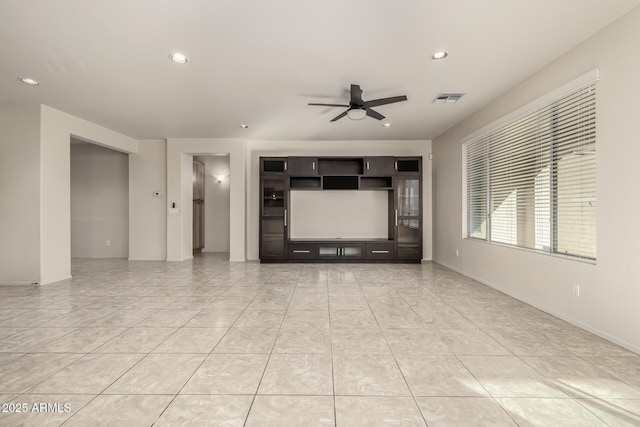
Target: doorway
(216, 207)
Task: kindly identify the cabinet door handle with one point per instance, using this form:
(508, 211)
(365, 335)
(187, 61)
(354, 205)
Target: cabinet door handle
(379, 252)
(295, 251)
(313, 165)
(285, 165)
(367, 165)
(285, 218)
(395, 165)
(396, 217)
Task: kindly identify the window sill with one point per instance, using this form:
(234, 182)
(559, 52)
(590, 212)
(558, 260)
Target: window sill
(534, 251)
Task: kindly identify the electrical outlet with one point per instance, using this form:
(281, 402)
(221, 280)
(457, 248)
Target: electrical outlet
(107, 243)
(575, 290)
(457, 252)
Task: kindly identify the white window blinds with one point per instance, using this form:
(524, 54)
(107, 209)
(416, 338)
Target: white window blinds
(532, 181)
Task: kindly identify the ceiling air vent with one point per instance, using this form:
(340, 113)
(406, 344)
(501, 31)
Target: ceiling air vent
(447, 98)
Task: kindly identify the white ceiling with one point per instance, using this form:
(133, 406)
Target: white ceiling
(260, 62)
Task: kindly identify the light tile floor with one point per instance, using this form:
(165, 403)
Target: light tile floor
(208, 342)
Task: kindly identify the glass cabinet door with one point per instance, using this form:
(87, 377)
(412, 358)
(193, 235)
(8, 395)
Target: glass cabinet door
(328, 251)
(408, 231)
(273, 197)
(273, 238)
(409, 238)
(408, 193)
(273, 221)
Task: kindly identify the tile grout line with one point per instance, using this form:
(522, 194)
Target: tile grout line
(415, 402)
(270, 352)
(208, 354)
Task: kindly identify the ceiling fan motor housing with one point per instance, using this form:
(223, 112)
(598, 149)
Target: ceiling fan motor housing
(359, 109)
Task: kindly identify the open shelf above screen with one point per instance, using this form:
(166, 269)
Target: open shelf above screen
(306, 183)
(341, 166)
(339, 182)
(376, 183)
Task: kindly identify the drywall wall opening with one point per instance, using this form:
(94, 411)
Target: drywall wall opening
(217, 208)
(99, 201)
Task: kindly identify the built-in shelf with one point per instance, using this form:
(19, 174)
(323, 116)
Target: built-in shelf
(341, 166)
(381, 183)
(339, 182)
(306, 182)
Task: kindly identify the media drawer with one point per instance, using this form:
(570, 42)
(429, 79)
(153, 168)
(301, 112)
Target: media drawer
(302, 251)
(380, 250)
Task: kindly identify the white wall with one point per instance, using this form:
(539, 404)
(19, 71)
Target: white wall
(148, 213)
(216, 204)
(19, 191)
(180, 188)
(256, 149)
(99, 202)
(610, 291)
(342, 214)
(56, 130)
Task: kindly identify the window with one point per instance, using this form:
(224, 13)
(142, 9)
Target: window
(531, 181)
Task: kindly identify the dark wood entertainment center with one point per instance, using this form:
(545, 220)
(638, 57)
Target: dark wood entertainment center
(400, 177)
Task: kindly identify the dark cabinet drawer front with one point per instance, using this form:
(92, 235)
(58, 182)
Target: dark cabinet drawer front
(380, 251)
(302, 251)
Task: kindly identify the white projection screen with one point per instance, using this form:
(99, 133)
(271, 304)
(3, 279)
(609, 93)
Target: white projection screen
(345, 214)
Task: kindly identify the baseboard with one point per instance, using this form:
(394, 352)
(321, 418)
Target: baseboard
(17, 283)
(56, 281)
(539, 306)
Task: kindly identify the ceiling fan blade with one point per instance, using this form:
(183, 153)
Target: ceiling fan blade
(339, 116)
(329, 105)
(356, 95)
(384, 101)
(374, 114)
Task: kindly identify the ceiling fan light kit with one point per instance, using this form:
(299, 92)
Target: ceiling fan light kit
(357, 113)
(357, 109)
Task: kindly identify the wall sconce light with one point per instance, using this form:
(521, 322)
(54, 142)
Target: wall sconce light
(220, 178)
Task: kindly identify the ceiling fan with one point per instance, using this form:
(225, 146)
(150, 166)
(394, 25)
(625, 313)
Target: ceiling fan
(358, 109)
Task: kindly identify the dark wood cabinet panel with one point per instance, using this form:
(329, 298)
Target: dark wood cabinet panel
(302, 166)
(379, 166)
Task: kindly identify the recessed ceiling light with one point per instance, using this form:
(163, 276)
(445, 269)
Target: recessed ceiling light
(178, 57)
(387, 125)
(441, 54)
(28, 81)
(243, 126)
